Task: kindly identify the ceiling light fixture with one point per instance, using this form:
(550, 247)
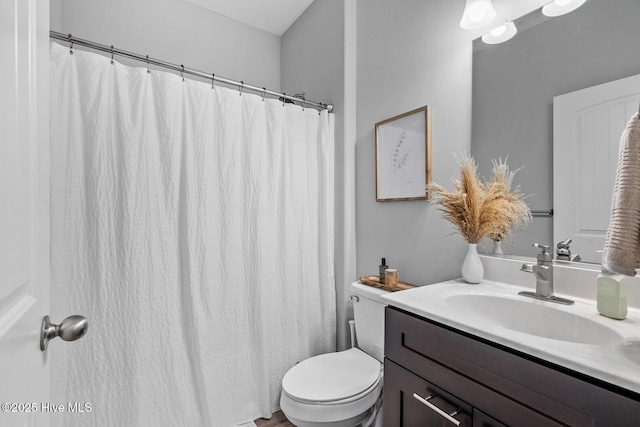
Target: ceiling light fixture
(477, 13)
(501, 33)
(560, 7)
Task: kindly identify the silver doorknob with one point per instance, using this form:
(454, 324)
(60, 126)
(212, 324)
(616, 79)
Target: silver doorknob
(71, 329)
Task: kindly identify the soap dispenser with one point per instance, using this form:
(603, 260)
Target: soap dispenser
(611, 300)
(381, 270)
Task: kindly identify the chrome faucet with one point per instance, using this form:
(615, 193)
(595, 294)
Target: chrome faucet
(564, 252)
(543, 270)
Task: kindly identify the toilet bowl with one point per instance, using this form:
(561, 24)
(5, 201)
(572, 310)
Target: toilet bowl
(334, 389)
(341, 389)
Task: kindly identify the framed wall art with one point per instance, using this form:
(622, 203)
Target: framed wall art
(403, 156)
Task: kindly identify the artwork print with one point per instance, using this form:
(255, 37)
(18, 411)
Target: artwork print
(403, 158)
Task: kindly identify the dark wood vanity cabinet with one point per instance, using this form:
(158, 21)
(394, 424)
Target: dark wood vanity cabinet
(409, 411)
(484, 384)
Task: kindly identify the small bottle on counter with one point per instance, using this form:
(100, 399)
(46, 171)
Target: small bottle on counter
(381, 269)
(611, 300)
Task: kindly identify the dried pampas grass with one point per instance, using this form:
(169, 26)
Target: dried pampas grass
(483, 209)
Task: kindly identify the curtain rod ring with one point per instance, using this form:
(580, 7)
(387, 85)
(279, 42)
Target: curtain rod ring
(148, 70)
(241, 87)
(182, 72)
(264, 91)
(111, 54)
(213, 79)
(70, 44)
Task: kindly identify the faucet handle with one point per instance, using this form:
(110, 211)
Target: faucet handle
(543, 248)
(544, 255)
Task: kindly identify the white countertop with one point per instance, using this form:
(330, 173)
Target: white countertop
(616, 363)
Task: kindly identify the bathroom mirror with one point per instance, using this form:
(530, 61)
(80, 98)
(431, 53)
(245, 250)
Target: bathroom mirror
(514, 85)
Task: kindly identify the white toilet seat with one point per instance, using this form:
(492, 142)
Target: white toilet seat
(332, 377)
(336, 389)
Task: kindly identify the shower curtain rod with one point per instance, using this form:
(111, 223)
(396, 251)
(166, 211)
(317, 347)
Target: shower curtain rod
(184, 70)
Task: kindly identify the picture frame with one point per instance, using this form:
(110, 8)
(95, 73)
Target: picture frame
(403, 156)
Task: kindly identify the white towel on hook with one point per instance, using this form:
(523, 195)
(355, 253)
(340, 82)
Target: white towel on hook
(622, 246)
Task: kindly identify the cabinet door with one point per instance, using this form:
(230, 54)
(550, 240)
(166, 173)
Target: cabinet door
(410, 401)
(480, 419)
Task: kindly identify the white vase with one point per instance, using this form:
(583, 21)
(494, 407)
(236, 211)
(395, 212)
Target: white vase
(472, 269)
(497, 248)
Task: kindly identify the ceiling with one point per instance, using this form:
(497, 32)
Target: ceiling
(276, 16)
(273, 16)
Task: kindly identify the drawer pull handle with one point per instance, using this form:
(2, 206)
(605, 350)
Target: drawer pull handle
(434, 408)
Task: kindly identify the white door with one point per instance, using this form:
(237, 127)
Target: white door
(587, 125)
(24, 210)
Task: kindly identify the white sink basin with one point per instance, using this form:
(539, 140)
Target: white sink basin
(542, 319)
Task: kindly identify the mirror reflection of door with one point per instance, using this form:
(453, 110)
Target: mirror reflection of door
(587, 125)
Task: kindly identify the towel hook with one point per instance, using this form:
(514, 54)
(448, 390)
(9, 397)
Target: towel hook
(241, 87)
(182, 72)
(148, 70)
(70, 44)
(111, 54)
(213, 79)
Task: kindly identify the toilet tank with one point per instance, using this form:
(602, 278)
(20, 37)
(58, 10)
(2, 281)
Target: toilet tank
(368, 313)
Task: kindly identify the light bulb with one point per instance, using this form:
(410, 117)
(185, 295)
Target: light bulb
(560, 7)
(477, 13)
(497, 32)
(500, 34)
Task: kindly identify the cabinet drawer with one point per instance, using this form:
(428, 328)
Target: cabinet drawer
(500, 382)
(404, 406)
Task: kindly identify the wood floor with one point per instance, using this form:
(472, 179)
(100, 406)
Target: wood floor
(277, 420)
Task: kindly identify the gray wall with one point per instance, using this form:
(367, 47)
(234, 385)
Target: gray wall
(514, 84)
(411, 53)
(313, 60)
(55, 15)
(175, 31)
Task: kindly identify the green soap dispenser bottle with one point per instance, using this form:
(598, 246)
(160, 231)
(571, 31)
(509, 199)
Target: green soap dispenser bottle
(611, 300)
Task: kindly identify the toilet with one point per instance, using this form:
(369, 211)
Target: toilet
(341, 389)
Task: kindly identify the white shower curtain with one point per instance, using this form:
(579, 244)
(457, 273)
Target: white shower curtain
(194, 228)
